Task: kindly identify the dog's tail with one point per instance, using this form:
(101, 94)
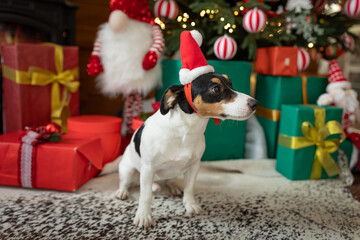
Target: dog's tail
(111, 167)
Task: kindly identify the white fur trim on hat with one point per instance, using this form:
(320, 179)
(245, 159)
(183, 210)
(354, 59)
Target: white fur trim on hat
(197, 36)
(187, 76)
(342, 84)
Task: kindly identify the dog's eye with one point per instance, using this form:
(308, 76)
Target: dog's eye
(216, 89)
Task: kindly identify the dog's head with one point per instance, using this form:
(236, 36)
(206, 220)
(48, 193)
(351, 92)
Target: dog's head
(212, 96)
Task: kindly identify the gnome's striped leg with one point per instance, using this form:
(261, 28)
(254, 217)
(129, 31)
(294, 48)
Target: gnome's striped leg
(128, 108)
(138, 103)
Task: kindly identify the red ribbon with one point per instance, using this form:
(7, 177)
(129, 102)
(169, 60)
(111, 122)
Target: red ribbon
(187, 89)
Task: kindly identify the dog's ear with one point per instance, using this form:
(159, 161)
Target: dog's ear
(169, 99)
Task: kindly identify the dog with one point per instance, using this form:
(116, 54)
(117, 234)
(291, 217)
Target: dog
(171, 142)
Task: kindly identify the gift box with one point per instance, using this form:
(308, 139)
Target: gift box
(278, 61)
(273, 91)
(226, 140)
(40, 84)
(63, 165)
(309, 138)
(107, 128)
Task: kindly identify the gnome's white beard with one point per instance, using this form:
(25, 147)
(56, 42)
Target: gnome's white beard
(122, 55)
(349, 103)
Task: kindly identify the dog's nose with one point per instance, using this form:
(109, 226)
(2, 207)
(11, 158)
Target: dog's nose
(253, 103)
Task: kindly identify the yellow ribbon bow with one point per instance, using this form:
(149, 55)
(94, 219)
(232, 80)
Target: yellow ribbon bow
(326, 137)
(41, 77)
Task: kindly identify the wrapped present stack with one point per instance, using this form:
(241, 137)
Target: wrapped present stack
(278, 82)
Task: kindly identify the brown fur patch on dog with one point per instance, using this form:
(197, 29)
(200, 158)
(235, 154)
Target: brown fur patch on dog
(226, 76)
(210, 109)
(169, 99)
(216, 80)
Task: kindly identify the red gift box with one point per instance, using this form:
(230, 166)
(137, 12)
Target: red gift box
(63, 165)
(107, 128)
(40, 85)
(277, 61)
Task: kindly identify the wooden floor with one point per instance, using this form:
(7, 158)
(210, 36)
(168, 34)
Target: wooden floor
(355, 188)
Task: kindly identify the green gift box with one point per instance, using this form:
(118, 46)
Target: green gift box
(309, 138)
(226, 140)
(273, 91)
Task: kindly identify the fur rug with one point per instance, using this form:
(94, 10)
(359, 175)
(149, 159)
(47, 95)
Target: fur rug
(240, 200)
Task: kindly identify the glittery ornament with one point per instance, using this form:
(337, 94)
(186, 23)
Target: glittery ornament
(94, 66)
(150, 60)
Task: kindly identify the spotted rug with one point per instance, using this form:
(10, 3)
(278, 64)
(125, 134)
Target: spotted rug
(240, 200)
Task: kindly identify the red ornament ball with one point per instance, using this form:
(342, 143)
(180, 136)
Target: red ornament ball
(352, 8)
(318, 6)
(150, 60)
(166, 9)
(254, 20)
(225, 47)
(52, 128)
(303, 59)
(333, 51)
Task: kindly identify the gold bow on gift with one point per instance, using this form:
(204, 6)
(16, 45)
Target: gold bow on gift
(326, 137)
(41, 77)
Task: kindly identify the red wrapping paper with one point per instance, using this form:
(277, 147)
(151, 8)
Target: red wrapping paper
(64, 165)
(29, 105)
(107, 128)
(277, 61)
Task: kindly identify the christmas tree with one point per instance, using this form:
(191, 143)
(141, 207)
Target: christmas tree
(320, 24)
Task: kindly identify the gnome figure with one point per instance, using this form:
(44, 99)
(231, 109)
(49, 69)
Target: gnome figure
(125, 55)
(340, 94)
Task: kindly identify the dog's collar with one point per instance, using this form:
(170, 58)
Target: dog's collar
(187, 89)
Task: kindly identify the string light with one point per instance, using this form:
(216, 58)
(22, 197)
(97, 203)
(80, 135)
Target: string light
(311, 45)
(222, 19)
(231, 30)
(233, 26)
(212, 11)
(184, 26)
(271, 35)
(241, 8)
(202, 13)
(211, 16)
(193, 24)
(207, 11)
(179, 18)
(186, 15)
(279, 24)
(216, 10)
(236, 13)
(157, 20)
(162, 25)
(185, 19)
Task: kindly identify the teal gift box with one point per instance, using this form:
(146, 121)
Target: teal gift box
(309, 138)
(273, 91)
(226, 140)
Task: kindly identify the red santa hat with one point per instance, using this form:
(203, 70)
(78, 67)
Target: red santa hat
(135, 9)
(336, 77)
(193, 61)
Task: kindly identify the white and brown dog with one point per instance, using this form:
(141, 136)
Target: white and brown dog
(171, 142)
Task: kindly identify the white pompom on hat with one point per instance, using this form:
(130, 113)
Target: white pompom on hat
(193, 61)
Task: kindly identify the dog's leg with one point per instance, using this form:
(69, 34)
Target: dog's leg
(143, 214)
(127, 176)
(189, 182)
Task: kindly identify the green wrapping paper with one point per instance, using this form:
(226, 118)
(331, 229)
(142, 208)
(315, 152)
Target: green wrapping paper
(273, 91)
(298, 163)
(226, 140)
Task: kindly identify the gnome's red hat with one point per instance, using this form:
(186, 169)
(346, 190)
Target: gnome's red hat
(135, 9)
(336, 77)
(193, 61)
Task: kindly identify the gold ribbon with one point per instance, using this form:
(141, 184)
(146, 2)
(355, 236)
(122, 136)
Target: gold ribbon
(326, 137)
(41, 77)
(273, 114)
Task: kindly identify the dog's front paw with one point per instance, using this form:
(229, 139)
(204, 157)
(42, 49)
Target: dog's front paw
(122, 193)
(143, 219)
(192, 208)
